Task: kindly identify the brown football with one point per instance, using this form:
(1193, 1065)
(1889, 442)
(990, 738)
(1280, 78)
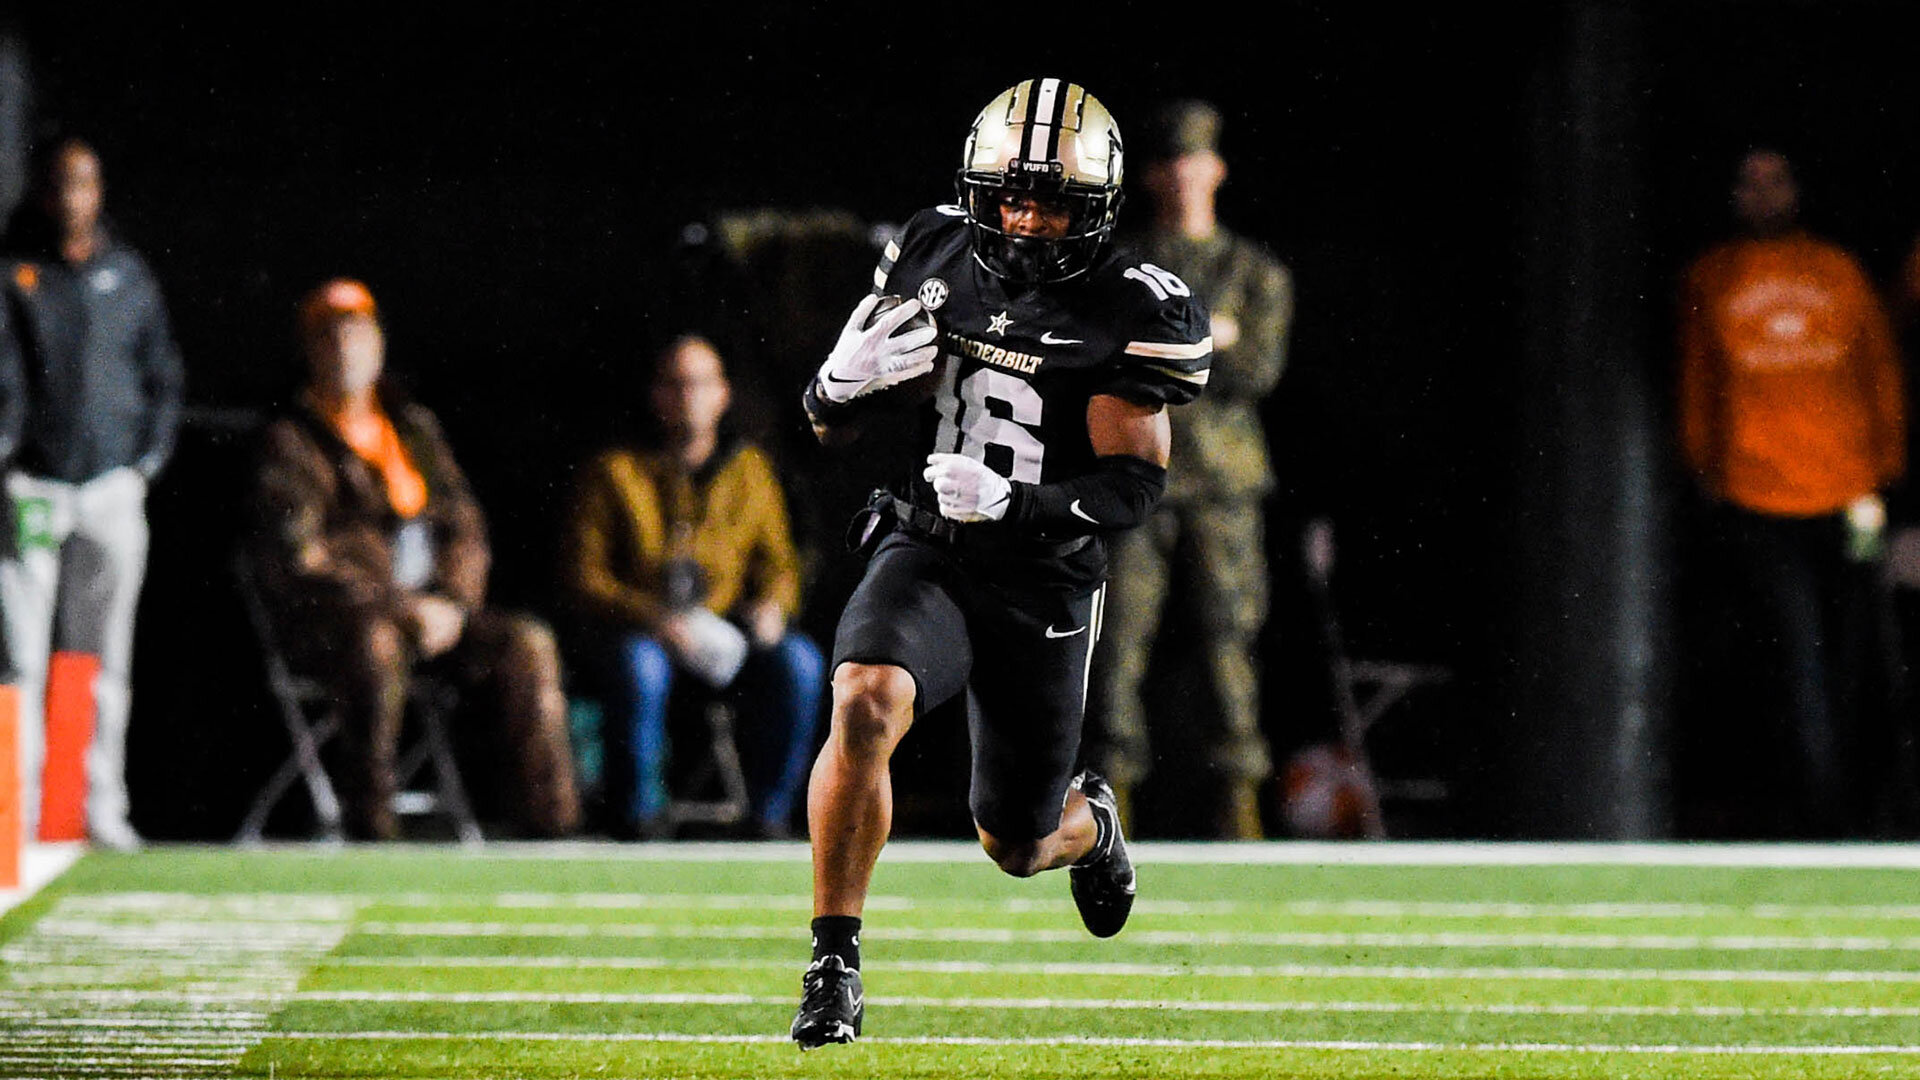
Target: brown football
(888, 302)
(920, 387)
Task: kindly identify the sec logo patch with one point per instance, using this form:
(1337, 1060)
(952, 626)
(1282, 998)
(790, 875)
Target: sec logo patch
(933, 293)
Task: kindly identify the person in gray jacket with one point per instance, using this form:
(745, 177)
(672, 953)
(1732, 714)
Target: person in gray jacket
(103, 380)
(13, 411)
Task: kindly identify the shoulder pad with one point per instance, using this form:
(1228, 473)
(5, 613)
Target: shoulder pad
(919, 229)
(1168, 346)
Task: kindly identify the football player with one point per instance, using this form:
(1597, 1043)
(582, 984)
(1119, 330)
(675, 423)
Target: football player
(1052, 362)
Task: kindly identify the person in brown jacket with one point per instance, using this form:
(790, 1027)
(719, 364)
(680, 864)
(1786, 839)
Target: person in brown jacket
(1792, 421)
(372, 557)
(679, 560)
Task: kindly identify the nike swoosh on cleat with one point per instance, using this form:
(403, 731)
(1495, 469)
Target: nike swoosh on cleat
(1052, 633)
(1074, 509)
(838, 379)
(1048, 339)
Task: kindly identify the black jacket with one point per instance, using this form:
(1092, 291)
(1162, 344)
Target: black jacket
(102, 375)
(13, 389)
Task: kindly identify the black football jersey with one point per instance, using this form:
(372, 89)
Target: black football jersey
(1021, 363)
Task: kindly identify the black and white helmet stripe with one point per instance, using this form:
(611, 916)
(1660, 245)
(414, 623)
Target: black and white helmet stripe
(1045, 105)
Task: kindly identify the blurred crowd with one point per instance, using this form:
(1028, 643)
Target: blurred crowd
(675, 659)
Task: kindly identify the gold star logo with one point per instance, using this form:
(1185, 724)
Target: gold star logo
(997, 324)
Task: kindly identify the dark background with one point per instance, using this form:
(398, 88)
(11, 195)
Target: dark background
(517, 191)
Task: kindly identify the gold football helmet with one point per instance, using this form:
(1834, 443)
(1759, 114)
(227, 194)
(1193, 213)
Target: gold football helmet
(1050, 140)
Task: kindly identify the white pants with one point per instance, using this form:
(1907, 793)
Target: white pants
(70, 580)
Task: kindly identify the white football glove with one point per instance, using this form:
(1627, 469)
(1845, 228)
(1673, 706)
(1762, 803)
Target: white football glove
(869, 358)
(968, 490)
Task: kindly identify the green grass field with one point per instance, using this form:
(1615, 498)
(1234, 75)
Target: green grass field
(612, 961)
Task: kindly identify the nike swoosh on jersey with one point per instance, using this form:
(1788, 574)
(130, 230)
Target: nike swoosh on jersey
(1048, 339)
(1052, 633)
(1074, 509)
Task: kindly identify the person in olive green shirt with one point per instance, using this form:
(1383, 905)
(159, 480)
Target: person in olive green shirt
(678, 558)
(1211, 523)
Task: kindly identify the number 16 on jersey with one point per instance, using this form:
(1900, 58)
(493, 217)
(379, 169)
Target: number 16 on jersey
(969, 426)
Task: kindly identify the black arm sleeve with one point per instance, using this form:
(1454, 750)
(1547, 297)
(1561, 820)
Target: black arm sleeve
(1118, 493)
(823, 411)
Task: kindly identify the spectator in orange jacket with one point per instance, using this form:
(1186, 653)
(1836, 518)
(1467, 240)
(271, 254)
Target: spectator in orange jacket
(1792, 420)
(372, 557)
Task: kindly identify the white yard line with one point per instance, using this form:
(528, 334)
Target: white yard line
(180, 1022)
(793, 901)
(275, 907)
(64, 1061)
(1890, 856)
(1341, 908)
(241, 1003)
(40, 866)
(1400, 909)
(525, 997)
(1216, 971)
(1226, 939)
(136, 1042)
(1097, 1041)
(232, 907)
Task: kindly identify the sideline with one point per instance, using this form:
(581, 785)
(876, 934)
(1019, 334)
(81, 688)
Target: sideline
(40, 864)
(1439, 853)
(1778, 855)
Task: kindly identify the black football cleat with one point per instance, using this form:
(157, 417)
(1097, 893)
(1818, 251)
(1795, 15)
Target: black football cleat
(1103, 884)
(831, 1004)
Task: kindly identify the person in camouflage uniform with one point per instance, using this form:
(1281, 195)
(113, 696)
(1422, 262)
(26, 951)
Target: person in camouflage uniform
(1211, 524)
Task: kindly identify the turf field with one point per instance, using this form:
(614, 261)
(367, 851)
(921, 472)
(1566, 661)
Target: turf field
(616, 961)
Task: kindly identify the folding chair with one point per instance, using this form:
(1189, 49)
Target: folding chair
(311, 717)
(715, 791)
(1364, 690)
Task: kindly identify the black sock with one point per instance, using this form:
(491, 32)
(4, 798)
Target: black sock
(838, 935)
